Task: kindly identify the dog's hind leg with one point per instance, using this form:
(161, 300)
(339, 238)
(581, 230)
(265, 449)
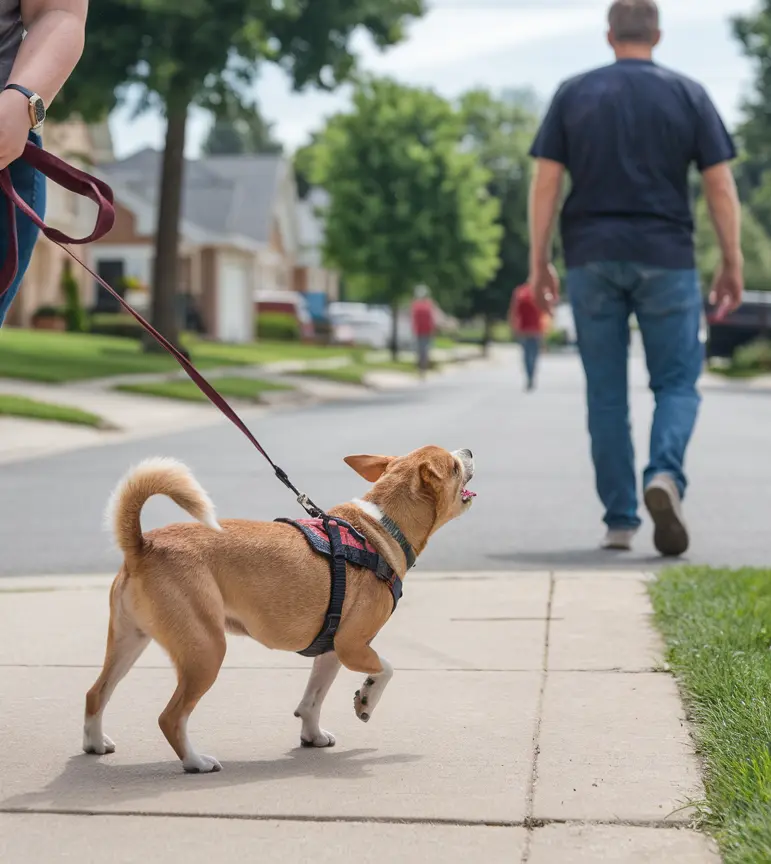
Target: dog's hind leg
(197, 669)
(324, 672)
(362, 658)
(125, 643)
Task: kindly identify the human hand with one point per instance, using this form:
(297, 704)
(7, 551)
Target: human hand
(14, 126)
(545, 284)
(727, 289)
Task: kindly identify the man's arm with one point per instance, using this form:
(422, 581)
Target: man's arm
(48, 54)
(545, 194)
(725, 210)
(52, 47)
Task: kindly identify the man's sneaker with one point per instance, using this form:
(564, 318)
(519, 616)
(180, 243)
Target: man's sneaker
(619, 539)
(662, 499)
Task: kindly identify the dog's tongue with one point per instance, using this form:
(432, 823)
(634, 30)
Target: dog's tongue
(466, 495)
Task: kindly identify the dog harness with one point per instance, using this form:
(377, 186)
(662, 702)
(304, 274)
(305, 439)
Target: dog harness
(341, 543)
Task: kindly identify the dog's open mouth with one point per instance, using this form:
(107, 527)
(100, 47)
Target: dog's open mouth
(465, 495)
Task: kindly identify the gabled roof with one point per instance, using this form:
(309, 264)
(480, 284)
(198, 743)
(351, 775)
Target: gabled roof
(223, 196)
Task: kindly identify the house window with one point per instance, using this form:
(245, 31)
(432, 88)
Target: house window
(113, 272)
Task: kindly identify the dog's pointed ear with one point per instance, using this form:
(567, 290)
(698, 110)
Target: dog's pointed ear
(371, 468)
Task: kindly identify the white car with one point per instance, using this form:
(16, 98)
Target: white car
(369, 326)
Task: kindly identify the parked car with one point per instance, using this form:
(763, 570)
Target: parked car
(369, 326)
(564, 322)
(751, 321)
(289, 303)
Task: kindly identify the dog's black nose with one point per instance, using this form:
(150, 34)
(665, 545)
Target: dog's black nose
(468, 453)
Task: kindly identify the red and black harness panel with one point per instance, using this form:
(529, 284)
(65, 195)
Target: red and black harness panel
(341, 543)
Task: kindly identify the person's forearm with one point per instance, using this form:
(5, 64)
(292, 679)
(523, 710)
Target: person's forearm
(725, 211)
(545, 193)
(50, 50)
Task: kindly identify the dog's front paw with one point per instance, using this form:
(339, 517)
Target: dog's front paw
(321, 739)
(97, 745)
(361, 701)
(199, 764)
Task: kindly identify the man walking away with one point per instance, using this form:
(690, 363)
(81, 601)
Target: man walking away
(627, 134)
(423, 326)
(526, 319)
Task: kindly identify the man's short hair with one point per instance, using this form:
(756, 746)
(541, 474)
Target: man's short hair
(634, 21)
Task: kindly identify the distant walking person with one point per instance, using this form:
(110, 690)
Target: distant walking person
(423, 326)
(526, 319)
(627, 134)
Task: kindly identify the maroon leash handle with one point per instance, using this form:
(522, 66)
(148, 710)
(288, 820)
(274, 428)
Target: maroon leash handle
(83, 184)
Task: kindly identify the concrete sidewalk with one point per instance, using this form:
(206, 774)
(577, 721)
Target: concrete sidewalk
(529, 720)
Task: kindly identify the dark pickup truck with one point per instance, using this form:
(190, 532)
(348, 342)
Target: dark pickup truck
(751, 321)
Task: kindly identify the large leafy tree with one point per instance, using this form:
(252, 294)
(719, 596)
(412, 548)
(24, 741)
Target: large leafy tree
(238, 128)
(408, 204)
(499, 131)
(173, 55)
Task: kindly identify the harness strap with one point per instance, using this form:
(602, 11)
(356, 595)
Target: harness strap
(83, 184)
(325, 641)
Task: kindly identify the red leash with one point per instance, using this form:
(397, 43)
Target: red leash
(83, 184)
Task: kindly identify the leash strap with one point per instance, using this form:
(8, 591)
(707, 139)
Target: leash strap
(83, 184)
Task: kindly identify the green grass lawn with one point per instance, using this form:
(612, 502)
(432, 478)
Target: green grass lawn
(20, 406)
(357, 371)
(717, 624)
(37, 355)
(231, 388)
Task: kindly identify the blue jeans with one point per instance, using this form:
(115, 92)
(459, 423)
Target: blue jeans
(531, 348)
(31, 186)
(667, 305)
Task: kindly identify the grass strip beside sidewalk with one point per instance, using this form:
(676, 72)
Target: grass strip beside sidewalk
(717, 625)
(36, 355)
(230, 387)
(31, 409)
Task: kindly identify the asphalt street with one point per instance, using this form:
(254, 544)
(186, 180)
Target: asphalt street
(536, 507)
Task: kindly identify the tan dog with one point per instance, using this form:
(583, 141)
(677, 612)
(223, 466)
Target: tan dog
(185, 585)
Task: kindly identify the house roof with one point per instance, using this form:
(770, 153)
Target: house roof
(222, 195)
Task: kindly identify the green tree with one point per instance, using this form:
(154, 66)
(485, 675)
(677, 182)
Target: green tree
(239, 128)
(173, 55)
(500, 132)
(407, 205)
(756, 248)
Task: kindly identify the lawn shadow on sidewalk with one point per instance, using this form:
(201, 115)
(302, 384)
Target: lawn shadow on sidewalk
(92, 784)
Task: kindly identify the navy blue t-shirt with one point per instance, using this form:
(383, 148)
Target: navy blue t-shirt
(628, 134)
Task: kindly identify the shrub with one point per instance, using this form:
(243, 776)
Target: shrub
(753, 357)
(278, 327)
(74, 314)
(115, 324)
(48, 312)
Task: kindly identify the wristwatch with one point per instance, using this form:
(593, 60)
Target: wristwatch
(37, 108)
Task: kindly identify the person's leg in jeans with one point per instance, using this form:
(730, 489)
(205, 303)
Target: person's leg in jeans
(30, 184)
(599, 294)
(530, 346)
(424, 350)
(668, 306)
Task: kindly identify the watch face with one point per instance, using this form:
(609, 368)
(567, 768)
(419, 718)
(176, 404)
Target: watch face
(38, 110)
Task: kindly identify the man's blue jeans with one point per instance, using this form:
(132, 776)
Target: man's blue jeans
(667, 305)
(31, 186)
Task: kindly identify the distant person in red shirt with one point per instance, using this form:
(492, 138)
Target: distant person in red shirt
(423, 325)
(527, 325)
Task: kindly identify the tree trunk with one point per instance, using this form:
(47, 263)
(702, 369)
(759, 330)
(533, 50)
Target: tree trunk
(395, 330)
(164, 305)
(487, 334)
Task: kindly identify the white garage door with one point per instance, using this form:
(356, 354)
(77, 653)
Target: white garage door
(235, 307)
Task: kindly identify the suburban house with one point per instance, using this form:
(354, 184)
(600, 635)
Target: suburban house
(241, 231)
(80, 145)
(311, 276)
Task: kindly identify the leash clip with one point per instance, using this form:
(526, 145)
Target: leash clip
(310, 508)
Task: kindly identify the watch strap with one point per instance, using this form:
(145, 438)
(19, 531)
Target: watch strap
(23, 90)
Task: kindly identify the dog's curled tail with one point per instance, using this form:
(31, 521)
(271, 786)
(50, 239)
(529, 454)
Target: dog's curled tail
(155, 477)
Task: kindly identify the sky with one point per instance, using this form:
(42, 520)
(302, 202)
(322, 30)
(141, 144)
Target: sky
(497, 44)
